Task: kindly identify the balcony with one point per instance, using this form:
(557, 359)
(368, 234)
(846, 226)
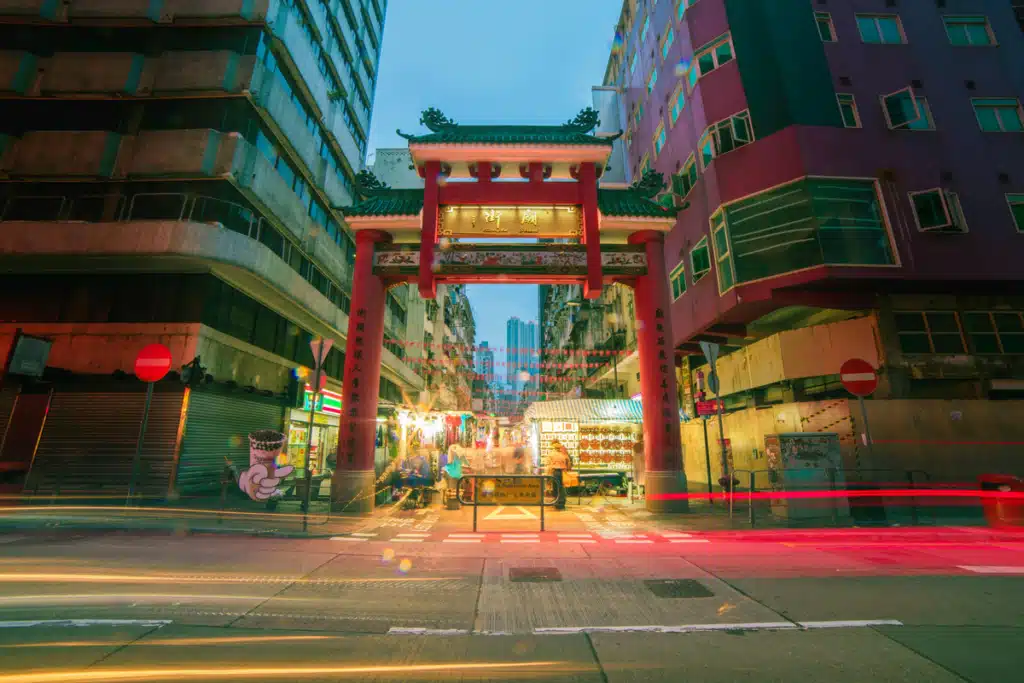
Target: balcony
(63, 153)
(17, 71)
(182, 153)
(201, 70)
(95, 72)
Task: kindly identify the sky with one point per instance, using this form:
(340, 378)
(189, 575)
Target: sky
(490, 62)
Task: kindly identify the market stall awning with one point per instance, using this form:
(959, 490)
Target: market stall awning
(587, 410)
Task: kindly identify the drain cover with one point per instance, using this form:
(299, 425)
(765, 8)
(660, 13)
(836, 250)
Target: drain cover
(534, 574)
(678, 588)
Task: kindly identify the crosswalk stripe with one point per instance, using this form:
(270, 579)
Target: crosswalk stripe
(688, 540)
(520, 540)
(348, 539)
(633, 540)
(576, 540)
(462, 540)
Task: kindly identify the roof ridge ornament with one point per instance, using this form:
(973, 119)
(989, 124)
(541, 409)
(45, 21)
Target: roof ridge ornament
(435, 121)
(587, 120)
(649, 185)
(369, 185)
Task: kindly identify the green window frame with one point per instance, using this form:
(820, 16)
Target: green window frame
(930, 332)
(969, 31)
(1016, 202)
(723, 254)
(677, 278)
(666, 44)
(659, 139)
(678, 104)
(700, 260)
(725, 136)
(881, 29)
(652, 80)
(646, 29)
(925, 121)
(682, 6)
(900, 108)
(685, 180)
(718, 53)
(826, 29)
(938, 210)
(848, 110)
(995, 332)
(633, 61)
(998, 114)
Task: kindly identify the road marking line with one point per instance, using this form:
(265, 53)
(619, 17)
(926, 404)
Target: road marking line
(520, 535)
(675, 534)
(633, 540)
(467, 535)
(856, 623)
(576, 540)
(348, 539)
(688, 540)
(411, 534)
(403, 631)
(991, 569)
(361, 533)
(575, 535)
(407, 540)
(86, 622)
(520, 540)
(462, 540)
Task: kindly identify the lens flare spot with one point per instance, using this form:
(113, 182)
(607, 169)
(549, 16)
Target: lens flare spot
(405, 566)
(387, 555)
(488, 486)
(682, 67)
(618, 42)
(234, 441)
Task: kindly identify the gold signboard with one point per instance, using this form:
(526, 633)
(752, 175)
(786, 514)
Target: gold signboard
(549, 222)
(510, 491)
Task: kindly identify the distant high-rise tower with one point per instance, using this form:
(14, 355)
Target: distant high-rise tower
(485, 362)
(521, 355)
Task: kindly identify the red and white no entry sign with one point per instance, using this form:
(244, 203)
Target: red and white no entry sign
(152, 363)
(858, 377)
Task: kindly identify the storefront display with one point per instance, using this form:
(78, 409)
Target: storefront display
(325, 431)
(565, 433)
(608, 446)
(600, 435)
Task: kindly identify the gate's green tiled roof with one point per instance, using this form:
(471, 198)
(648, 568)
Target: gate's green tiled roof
(620, 203)
(575, 132)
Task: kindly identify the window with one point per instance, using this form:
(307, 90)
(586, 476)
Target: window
(647, 27)
(880, 28)
(925, 121)
(725, 136)
(684, 181)
(700, 260)
(651, 80)
(969, 31)
(710, 58)
(826, 29)
(683, 6)
(659, 140)
(1016, 202)
(938, 210)
(666, 44)
(723, 259)
(995, 331)
(678, 279)
(900, 108)
(632, 62)
(645, 164)
(998, 114)
(929, 332)
(678, 104)
(848, 108)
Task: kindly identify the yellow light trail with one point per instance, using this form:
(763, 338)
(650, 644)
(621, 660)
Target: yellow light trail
(173, 641)
(254, 672)
(165, 578)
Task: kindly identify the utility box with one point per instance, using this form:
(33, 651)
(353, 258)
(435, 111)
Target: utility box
(805, 469)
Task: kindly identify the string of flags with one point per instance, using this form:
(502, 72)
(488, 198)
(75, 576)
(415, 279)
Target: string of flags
(512, 350)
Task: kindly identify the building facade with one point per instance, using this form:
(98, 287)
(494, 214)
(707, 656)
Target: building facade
(168, 172)
(521, 353)
(852, 182)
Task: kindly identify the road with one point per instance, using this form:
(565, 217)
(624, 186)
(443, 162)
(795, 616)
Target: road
(937, 604)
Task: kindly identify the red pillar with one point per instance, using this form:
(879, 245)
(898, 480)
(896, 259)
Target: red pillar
(591, 230)
(353, 484)
(663, 453)
(428, 231)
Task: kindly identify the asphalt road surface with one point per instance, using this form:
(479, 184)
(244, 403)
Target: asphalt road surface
(396, 604)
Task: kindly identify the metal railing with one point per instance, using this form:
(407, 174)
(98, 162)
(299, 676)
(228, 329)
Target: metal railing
(838, 479)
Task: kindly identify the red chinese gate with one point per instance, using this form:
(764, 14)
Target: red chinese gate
(508, 182)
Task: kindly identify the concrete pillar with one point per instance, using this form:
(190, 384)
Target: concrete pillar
(354, 479)
(591, 230)
(663, 453)
(428, 231)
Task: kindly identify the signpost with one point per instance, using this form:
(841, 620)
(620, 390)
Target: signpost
(151, 366)
(320, 348)
(860, 379)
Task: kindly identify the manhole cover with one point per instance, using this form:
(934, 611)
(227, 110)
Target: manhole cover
(534, 574)
(678, 588)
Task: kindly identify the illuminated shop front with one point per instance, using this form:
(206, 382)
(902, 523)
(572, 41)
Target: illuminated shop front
(325, 429)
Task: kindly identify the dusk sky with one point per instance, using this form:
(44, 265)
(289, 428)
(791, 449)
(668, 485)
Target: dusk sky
(488, 61)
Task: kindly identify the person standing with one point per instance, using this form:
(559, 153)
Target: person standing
(639, 468)
(559, 463)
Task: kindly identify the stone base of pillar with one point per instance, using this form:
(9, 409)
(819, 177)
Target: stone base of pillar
(352, 491)
(658, 484)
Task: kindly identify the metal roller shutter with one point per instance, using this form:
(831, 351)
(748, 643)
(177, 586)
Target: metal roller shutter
(88, 442)
(217, 430)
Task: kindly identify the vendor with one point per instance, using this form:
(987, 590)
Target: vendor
(559, 463)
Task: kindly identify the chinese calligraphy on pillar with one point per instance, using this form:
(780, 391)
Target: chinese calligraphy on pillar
(664, 368)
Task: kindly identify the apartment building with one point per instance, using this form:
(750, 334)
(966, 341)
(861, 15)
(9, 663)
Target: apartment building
(168, 172)
(852, 173)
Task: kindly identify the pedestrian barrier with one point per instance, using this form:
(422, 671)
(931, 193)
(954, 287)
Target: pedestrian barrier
(520, 490)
